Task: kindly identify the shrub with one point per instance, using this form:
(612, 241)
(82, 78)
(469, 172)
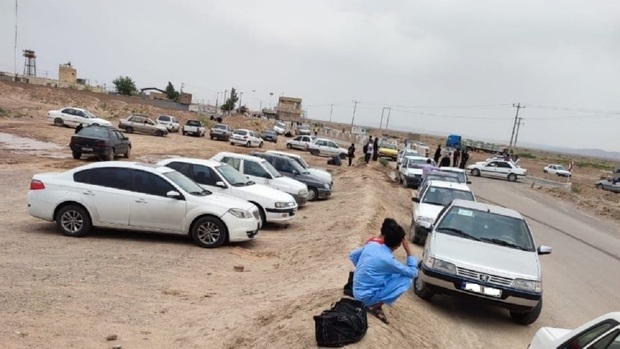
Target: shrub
(384, 162)
(527, 156)
(596, 165)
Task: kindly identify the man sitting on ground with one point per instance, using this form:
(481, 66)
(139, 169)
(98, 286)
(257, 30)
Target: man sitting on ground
(379, 278)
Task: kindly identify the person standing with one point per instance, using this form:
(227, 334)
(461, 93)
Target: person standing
(464, 159)
(379, 278)
(351, 153)
(428, 168)
(445, 161)
(79, 128)
(369, 153)
(437, 154)
(375, 149)
(456, 157)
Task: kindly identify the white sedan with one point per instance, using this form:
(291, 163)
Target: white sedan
(274, 205)
(600, 333)
(557, 170)
(73, 117)
(326, 147)
(140, 197)
(247, 138)
(300, 142)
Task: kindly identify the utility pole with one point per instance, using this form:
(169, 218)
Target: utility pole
(519, 123)
(331, 110)
(381, 122)
(240, 97)
(224, 101)
(514, 126)
(354, 109)
(217, 101)
(388, 118)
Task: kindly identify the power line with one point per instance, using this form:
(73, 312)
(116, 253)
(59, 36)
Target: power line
(519, 123)
(514, 125)
(354, 109)
(451, 116)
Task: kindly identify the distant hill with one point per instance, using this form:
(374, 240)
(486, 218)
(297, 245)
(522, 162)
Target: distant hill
(595, 153)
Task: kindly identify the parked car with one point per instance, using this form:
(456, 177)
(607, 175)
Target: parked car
(270, 136)
(194, 128)
(461, 173)
(557, 170)
(405, 152)
(73, 117)
(326, 147)
(247, 138)
(300, 142)
(487, 253)
(317, 187)
(410, 171)
(387, 150)
(326, 176)
(221, 132)
(140, 197)
(440, 176)
(608, 184)
(280, 128)
(422, 148)
(274, 206)
(304, 130)
(600, 333)
(170, 122)
(497, 169)
(104, 141)
(260, 171)
(432, 199)
(142, 124)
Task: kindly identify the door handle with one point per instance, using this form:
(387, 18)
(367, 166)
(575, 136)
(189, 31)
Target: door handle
(141, 201)
(89, 193)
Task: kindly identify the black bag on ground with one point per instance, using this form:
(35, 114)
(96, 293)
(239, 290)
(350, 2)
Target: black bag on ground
(334, 160)
(345, 323)
(348, 288)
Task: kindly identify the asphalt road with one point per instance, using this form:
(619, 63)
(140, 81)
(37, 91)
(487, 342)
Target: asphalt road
(581, 278)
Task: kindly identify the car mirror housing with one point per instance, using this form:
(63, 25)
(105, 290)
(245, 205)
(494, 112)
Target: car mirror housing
(414, 199)
(468, 182)
(295, 172)
(542, 249)
(220, 184)
(173, 194)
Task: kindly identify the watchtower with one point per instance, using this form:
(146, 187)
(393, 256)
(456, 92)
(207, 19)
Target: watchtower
(30, 63)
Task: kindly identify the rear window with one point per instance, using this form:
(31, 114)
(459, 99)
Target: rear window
(242, 133)
(94, 132)
(164, 118)
(193, 123)
(220, 126)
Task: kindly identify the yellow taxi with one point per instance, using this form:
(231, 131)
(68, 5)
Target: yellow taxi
(387, 150)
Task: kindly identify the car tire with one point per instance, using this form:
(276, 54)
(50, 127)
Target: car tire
(261, 211)
(313, 194)
(232, 143)
(475, 172)
(209, 232)
(527, 318)
(545, 171)
(59, 122)
(211, 137)
(110, 156)
(288, 146)
(77, 155)
(248, 144)
(599, 186)
(129, 129)
(512, 177)
(405, 184)
(184, 133)
(127, 153)
(73, 220)
(159, 133)
(421, 289)
(260, 145)
(314, 152)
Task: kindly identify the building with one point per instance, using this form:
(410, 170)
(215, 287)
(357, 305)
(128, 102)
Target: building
(289, 108)
(359, 130)
(185, 98)
(66, 73)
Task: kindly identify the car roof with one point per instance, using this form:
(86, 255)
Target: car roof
(204, 162)
(282, 153)
(239, 156)
(277, 156)
(123, 164)
(449, 185)
(444, 173)
(242, 129)
(451, 169)
(499, 210)
(81, 109)
(415, 157)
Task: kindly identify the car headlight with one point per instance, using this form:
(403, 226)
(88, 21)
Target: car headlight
(302, 192)
(529, 285)
(326, 186)
(428, 261)
(239, 213)
(284, 204)
(424, 221)
(444, 266)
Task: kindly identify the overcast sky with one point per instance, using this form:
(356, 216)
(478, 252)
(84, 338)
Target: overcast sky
(447, 66)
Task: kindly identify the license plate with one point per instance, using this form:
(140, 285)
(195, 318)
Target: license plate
(488, 291)
(87, 149)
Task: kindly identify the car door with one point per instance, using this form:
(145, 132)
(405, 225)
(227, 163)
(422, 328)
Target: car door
(503, 169)
(489, 169)
(120, 145)
(70, 116)
(332, 149)
(106, 193)
(256, 172)
(151, 209)
(320, 146)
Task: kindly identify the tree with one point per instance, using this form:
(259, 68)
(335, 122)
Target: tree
(171, 93)
(232, 100)
(125, 86)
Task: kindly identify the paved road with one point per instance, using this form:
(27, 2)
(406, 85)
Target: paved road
(581, 277)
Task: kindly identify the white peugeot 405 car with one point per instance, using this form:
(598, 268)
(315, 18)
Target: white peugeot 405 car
(487, 253)
(141, 197)
(600, 333)
(275, 206)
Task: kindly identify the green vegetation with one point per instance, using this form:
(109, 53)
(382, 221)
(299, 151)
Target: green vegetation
(4, 112)
(232, 100)
(603, 165)
(575, 188)
(527, 155)
(125, 86)
(384, 162)
(171, 93)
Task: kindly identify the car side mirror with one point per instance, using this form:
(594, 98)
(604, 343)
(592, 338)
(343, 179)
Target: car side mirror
(173, 194)
(220, 184)
(295, 172)
(468, 182)
(542, 249)
(414, 199)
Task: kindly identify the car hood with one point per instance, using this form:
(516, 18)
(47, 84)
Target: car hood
(308, 178)
(551, 334)
(428, 210)
(412, 171)
(486, 257)
(289, 183)
(100, 121)
(225, 202)
(266, 192)
(160, 127)
(321, 173)
(388, 151)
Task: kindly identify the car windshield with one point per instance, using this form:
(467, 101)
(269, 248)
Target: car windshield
(487, 227)
(297, 166)
(219, 127)
(186, 184)
(411, 153)
(271, 170)
(559, 167)
(164, 118)
(241, 133)
(89, 114)
(280, 125)
(439, 177)
(94, 132)
(302, 162)
(271, 132)
(418, 163)
(388, 146)
(444, 196)
(234, 177)
(193, 123)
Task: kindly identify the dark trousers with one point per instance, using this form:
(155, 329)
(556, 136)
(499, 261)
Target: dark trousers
(367, 157)
(350, 160)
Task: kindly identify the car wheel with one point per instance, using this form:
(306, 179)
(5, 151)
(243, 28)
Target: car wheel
(314, 152)
(288, 146)
(211, 137)
(260, 145)
(512, 177)
(421, 289)
(128, 152)
(77, 155)
(313, 194)
(73, 220)
(527, 318)
(412, 237)
(111, 155)
(405, 184)
(129, 130)
(475, 172)
(184, 133)
(59, 122)
(248, 144)
(231, 143)
(545, 171)
(209, 232)
(599, 186)
(261, 211)
(159, 133)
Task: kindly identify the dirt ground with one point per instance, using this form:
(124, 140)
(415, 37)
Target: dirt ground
(156, 291)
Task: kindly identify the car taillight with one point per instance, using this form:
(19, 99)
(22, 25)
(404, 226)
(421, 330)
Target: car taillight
(100, 144)
(36, 184)
(245, 137)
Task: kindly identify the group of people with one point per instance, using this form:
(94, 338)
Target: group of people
(459, 158)
(370, 150)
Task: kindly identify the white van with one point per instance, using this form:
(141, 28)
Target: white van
(275, 206)
(280, 128)
(261, 172)
(315, 171)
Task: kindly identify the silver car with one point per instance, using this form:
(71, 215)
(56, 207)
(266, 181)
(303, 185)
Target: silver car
(608, 184)
(483, 252)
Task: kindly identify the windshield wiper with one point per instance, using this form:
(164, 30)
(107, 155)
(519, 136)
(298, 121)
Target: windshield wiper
(503, 243)
(459, 232)
(434, 203)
